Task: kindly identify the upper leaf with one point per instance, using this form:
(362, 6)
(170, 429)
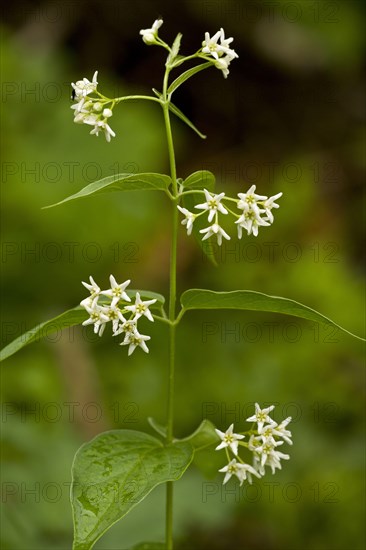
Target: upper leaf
(204, 436)
(254, 301)
(69, 318)
(202, 179)
(113, 473)
(186, 75)
(175, 49)
(177, 112)
(121, 182)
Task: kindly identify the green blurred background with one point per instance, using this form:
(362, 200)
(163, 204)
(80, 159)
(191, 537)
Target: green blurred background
(289, 118)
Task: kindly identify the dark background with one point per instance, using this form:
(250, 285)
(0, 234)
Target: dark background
(290, 118)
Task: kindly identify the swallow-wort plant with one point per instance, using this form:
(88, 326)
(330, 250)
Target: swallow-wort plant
(116, 470)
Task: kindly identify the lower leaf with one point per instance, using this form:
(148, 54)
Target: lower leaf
(113, 473)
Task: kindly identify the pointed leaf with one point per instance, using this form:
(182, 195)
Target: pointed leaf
(121, 182)
(202, 179)
(113, 473)
(254, 301)
(69, 318)
(186, 75)
(177, 112)
(204, 436)
(175, 49)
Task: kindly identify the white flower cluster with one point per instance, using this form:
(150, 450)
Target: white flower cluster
(263, 442)
(216, 47)
(92, 110)
(256, 212)
(220, 51)
(120, 304)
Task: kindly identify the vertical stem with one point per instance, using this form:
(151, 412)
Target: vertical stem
(172, 300)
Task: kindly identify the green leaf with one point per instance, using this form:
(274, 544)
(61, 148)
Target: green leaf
(175, 49)
(113, 473)
(204, 436)
(189, 202)
(253, 301)
(186, 75)
(202, 179)
(121, 182)
(177, 112)
(69, 318)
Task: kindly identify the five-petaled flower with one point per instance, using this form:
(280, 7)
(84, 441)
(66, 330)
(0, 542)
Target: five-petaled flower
(240, 470)
(211, 45)
(215, 229)
(134, 339)
(229, 439)
(141, 308)
(212, 204)
(117, 292)
(261, 416)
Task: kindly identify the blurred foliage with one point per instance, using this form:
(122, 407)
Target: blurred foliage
(289, 117)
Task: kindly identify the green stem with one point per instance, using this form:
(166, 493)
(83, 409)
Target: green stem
(129, 97)
(172, 300)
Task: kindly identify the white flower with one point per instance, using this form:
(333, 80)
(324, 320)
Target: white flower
(97, 317)
(241, 471)
(134, 339)
(84, 87)
(141, 308)
(254, 442)
(229, 439)
(269, 456)
(250, 221)
(261, 416)
(94, 290)
(149, 35)
(101, 125)
(213, 204)
(114, 314)
(217, 230)
(269, 204)
(79, 108)
(212, 47)
(223, 64)
(224, 43)
(189, 219)
(278, 430)
(127, 326)
(248, 200)
(117, 292)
